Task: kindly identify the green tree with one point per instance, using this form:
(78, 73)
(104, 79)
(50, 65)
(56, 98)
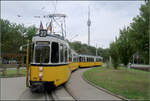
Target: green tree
(31, 31)
(125, 48)
(139, 32)
(104, 53)
(13, 36)
(114, 53)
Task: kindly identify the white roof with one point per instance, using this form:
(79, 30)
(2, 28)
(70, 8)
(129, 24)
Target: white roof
(50, 39)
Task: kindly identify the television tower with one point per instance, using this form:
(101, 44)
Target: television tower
(89, 24)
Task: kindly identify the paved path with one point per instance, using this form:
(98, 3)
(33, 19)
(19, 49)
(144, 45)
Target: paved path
(15, 89)
(84, 91)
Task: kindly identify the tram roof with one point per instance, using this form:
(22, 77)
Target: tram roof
(50, 38)
(53, 35)
(85, 55)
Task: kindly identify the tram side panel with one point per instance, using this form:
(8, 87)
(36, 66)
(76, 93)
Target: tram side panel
(73, 65)
(86, 64)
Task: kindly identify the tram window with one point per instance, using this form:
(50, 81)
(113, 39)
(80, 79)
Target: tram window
(79, 59)
(75, 59)
(55, 52)
(61, 53)
(70, 56)
(88, 60)
(42, 54)
(65, 54)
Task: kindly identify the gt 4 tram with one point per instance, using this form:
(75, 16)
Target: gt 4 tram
(49, 63)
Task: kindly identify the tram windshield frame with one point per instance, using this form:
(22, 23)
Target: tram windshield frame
(42, 54)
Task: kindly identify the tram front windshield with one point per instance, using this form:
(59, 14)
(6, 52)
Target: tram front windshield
(42, 54)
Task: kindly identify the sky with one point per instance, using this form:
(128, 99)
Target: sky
(107, 17)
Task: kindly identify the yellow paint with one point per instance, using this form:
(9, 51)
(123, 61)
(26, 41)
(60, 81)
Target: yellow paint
(89, 64)
(58, 74)
(98, 63)
(73, 65)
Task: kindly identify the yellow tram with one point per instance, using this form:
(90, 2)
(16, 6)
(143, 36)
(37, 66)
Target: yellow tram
(73, 60)
(50, 60)
(90, 61)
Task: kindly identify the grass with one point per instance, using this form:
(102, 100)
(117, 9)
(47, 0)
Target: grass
(13, 73)
(130, 83)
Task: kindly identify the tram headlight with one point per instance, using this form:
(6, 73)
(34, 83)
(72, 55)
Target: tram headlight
(40, 75)
(40, 69)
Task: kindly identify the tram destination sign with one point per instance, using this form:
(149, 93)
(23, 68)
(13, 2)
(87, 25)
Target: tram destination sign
(42, 42)
(43, 33)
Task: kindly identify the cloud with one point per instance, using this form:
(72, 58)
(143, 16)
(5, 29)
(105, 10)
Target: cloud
(107, 16)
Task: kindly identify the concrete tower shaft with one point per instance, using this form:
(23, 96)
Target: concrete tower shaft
(89, 24)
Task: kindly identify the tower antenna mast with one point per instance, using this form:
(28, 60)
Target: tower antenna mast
(89, 24)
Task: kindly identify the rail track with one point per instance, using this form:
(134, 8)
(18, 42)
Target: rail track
(60, 93)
